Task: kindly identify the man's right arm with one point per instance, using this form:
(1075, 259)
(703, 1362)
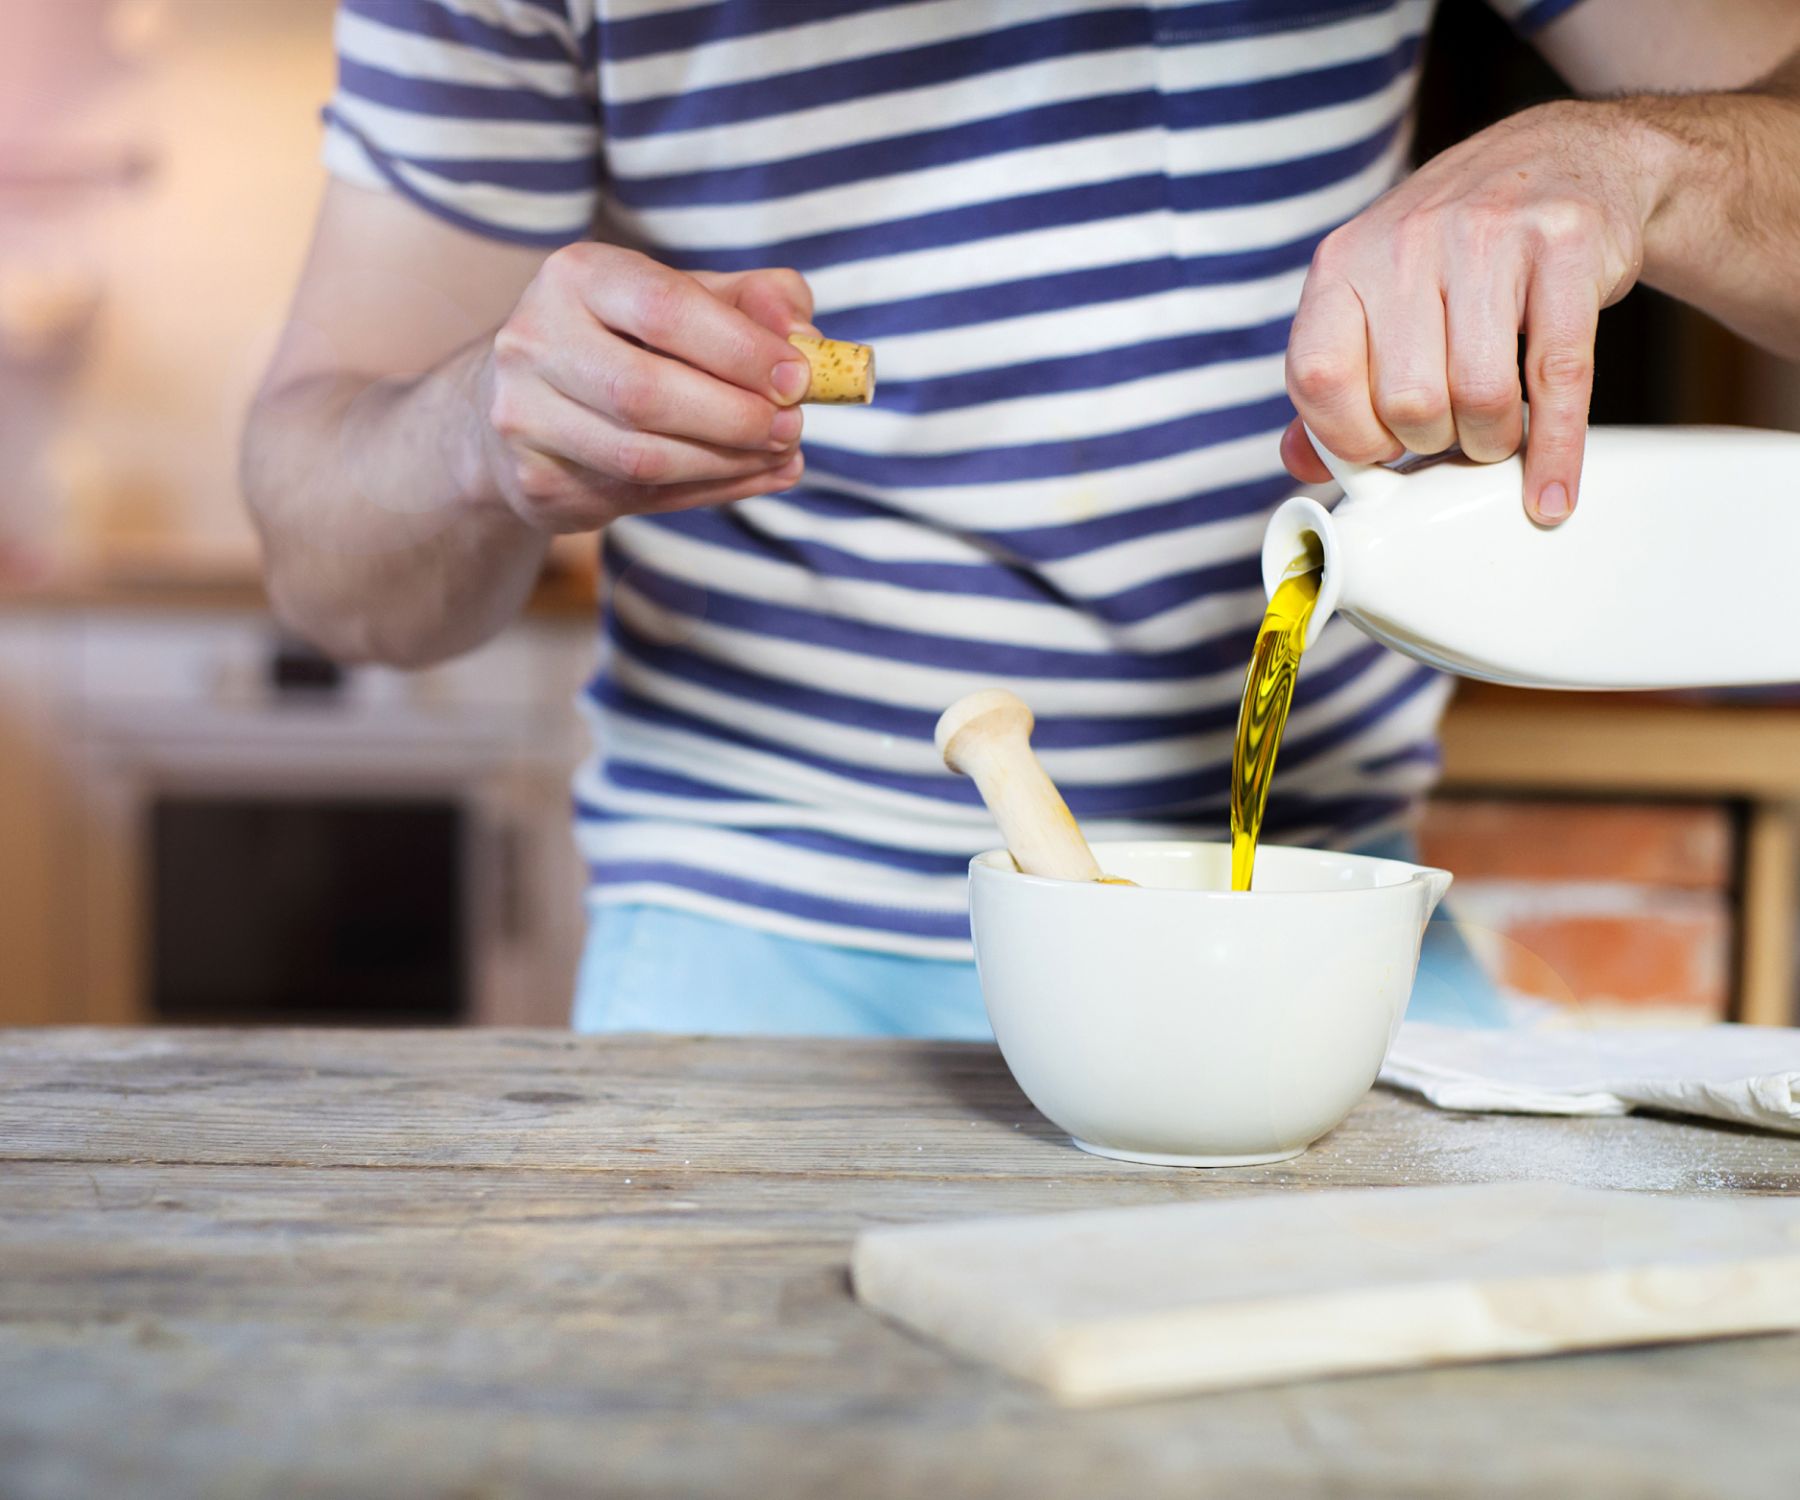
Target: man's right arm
(441, 403)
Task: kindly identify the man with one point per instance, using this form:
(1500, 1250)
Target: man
(1078, 232)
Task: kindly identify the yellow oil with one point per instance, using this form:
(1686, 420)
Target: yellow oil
(1268, 695)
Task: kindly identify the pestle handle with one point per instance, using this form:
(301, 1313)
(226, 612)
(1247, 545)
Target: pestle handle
(987, 737)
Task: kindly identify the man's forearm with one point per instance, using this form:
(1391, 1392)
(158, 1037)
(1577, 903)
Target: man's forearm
(385, 540)
(1724, 230)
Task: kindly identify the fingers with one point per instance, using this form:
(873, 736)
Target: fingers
(677, 315)
(556, 494)
(642, 390)
(1328, 373)
(544, 420)
(785, 475)
(1441, 372)
(780, 300)
(1562, 315)
(1483, 326)
(1407, 370)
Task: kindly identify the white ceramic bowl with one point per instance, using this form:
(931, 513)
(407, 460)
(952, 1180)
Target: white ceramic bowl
(1185, 1024)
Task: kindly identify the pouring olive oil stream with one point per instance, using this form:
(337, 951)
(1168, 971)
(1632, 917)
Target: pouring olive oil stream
(1263, 714)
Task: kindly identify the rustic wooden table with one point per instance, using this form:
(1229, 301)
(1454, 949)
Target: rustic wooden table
(244, 1263)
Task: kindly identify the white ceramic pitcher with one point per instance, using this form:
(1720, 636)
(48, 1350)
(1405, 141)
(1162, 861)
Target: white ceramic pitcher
(1679, 568)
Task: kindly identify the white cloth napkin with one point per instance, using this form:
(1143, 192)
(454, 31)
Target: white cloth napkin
(1749, 1075)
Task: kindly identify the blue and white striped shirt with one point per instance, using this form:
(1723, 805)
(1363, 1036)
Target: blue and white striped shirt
(1076, 230)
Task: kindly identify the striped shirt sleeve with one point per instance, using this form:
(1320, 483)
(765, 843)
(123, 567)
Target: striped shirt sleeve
(483, 112)
(1531, 16)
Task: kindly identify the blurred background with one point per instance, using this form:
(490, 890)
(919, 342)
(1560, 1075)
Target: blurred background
(203, 821)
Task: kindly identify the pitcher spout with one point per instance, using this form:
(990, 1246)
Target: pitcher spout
(1437, 885)
(1301, 535)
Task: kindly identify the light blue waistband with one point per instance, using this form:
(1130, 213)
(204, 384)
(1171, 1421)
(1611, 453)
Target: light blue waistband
(651, 968)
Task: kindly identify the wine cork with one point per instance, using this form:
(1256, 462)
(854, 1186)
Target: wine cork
(842, 373)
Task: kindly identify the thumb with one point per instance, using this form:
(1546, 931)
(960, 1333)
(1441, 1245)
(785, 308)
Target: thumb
(1300, 457)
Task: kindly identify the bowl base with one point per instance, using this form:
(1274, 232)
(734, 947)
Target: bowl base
(1159, 1159)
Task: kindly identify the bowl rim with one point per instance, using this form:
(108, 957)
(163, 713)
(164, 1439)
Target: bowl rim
(992, 863)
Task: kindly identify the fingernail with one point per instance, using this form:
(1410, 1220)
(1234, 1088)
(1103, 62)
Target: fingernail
(791, 378)
(1553, 502)
(784, 431)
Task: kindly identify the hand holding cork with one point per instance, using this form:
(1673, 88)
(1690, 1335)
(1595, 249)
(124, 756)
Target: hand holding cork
(987, 737)
(619, 386)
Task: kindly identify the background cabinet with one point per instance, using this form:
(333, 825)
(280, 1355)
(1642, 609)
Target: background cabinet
(313, 835)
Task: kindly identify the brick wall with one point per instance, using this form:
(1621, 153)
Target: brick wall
(1621, 910)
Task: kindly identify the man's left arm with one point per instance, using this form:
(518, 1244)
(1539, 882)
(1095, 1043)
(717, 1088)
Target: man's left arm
(1407, 329)
(1724, 229)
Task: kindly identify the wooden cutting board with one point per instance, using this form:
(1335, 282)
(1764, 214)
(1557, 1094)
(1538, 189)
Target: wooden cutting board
(1126, 1303)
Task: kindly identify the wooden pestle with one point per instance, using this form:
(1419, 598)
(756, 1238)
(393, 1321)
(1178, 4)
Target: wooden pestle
(987, 737)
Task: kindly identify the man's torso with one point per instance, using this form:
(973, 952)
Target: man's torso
(1075, 233)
